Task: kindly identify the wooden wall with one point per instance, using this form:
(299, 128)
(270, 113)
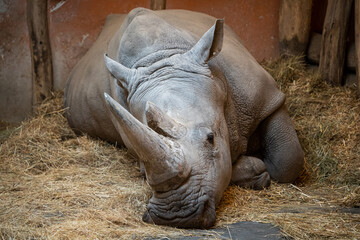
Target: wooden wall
(75, 24)
(255, 21)
(15, 62)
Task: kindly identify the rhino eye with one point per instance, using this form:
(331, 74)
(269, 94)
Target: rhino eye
(210, 138)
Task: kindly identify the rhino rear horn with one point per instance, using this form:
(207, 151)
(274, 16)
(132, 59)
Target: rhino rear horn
(210, 44)
(119, 71)
(162, 123)
(165, 166)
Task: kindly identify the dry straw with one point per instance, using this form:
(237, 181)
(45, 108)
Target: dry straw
(55, 185)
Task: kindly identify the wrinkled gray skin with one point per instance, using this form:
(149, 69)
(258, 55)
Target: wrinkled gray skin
(186, 97)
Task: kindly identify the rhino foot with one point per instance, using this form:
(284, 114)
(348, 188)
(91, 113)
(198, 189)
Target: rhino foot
(250, 172)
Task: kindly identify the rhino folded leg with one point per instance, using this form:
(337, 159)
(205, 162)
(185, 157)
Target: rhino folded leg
(250, 172)
(283, 155)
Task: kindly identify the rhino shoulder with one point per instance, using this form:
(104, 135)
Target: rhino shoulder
(252, 94)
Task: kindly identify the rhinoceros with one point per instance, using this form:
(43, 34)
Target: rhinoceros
(180, 91)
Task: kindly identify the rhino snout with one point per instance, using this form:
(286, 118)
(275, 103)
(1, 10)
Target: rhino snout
(204, 216)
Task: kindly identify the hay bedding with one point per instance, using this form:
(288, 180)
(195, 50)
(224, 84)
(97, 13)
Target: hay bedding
(55, 185)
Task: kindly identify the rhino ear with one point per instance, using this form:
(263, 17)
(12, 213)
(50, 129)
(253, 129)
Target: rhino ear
(119, 71)
(162, 123)
(210, 43)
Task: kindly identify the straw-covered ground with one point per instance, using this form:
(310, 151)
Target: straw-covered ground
(55, 185)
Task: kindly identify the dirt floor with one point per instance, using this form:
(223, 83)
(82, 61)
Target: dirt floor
(55, 185)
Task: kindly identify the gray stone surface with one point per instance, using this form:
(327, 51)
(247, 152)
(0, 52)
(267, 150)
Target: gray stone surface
(239, 230)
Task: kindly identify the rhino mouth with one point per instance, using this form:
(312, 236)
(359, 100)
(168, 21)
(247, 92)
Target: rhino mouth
(200, 215)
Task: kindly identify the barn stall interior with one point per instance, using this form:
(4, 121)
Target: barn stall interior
(55, 184)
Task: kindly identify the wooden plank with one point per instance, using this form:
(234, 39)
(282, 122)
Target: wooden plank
(313, 52)
(40, 50)
(333, 43)
(357, 42)
(294, 26)
(158, 4)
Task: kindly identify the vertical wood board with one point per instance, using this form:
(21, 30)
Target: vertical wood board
(40, 50)
(294, 26)
(333, 43)
(357, 42)
(158, 4)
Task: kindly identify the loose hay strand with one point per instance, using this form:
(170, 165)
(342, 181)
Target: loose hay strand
(56, 185)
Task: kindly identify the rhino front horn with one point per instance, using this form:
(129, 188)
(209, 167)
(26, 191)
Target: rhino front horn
(165, 166)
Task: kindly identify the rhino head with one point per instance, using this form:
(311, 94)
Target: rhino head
(178, 130)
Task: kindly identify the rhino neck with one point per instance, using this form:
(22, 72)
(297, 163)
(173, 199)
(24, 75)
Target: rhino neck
(148, 38)
(157, 56)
